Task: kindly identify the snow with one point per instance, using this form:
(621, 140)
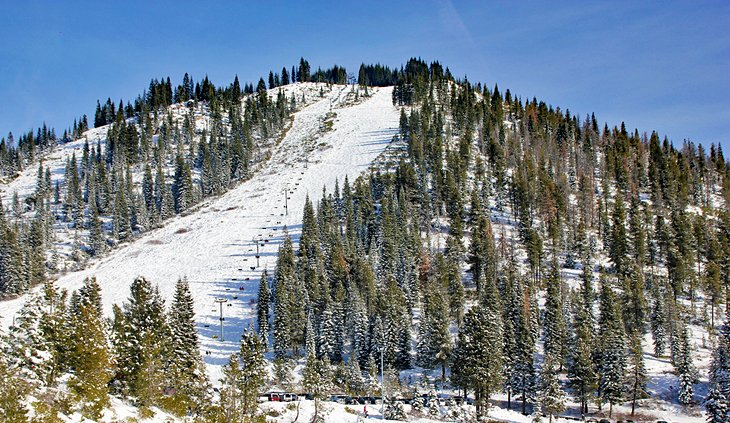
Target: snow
(214, 246)
(25, 183)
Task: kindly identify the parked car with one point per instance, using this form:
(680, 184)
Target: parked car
(289, 397)
(282, 396)
(365, 400)
(340, 398)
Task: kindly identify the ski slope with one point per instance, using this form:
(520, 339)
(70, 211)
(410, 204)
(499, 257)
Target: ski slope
(214, 247)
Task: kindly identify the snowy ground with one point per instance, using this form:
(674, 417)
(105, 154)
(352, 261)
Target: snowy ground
(214, 246)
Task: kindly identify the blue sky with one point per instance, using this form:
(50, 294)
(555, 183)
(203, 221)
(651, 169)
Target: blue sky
(655, 65)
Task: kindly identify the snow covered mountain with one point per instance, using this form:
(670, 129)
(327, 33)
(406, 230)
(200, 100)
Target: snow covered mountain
(471, 163)
(214, 248)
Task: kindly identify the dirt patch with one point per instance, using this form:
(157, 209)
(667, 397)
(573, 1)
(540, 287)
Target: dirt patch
(155, 242)
(182, 231)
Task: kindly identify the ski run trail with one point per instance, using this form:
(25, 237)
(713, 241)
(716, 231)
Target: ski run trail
(215, 246)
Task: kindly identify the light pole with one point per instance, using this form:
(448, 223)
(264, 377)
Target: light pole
(220, 302)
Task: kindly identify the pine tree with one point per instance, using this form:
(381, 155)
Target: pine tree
(394, 410)
(281, 325)
(141, 339)
(262, 310)
(658, 325)
(13, 392)
(455, 291)
(182, 185)
(289, 306)
(552, 396)
(230, 409)
(97, 242)
(122, 219)
(611, 355)
(30, 354)
(185, 371)
(523, 381)
(358, 329)
(55, 329)
(554, 324)
(478, 352)
(90, 356)
(716, 405)
(619, 239)
(482, 254)
(12, 278)
(636, 373)
(326, 340)
(684, 368)
(35, 250)
(581, 368)
(719, 375)
(353, 377)
(316, 380)
(434, 340)
(148, 190)
(634, 301)
(244, 378)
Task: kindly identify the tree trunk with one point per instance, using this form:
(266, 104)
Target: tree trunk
(633, 400)
(524, 402)
(635, 395)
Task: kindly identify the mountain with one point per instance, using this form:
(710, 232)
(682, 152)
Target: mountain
(478, 241)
